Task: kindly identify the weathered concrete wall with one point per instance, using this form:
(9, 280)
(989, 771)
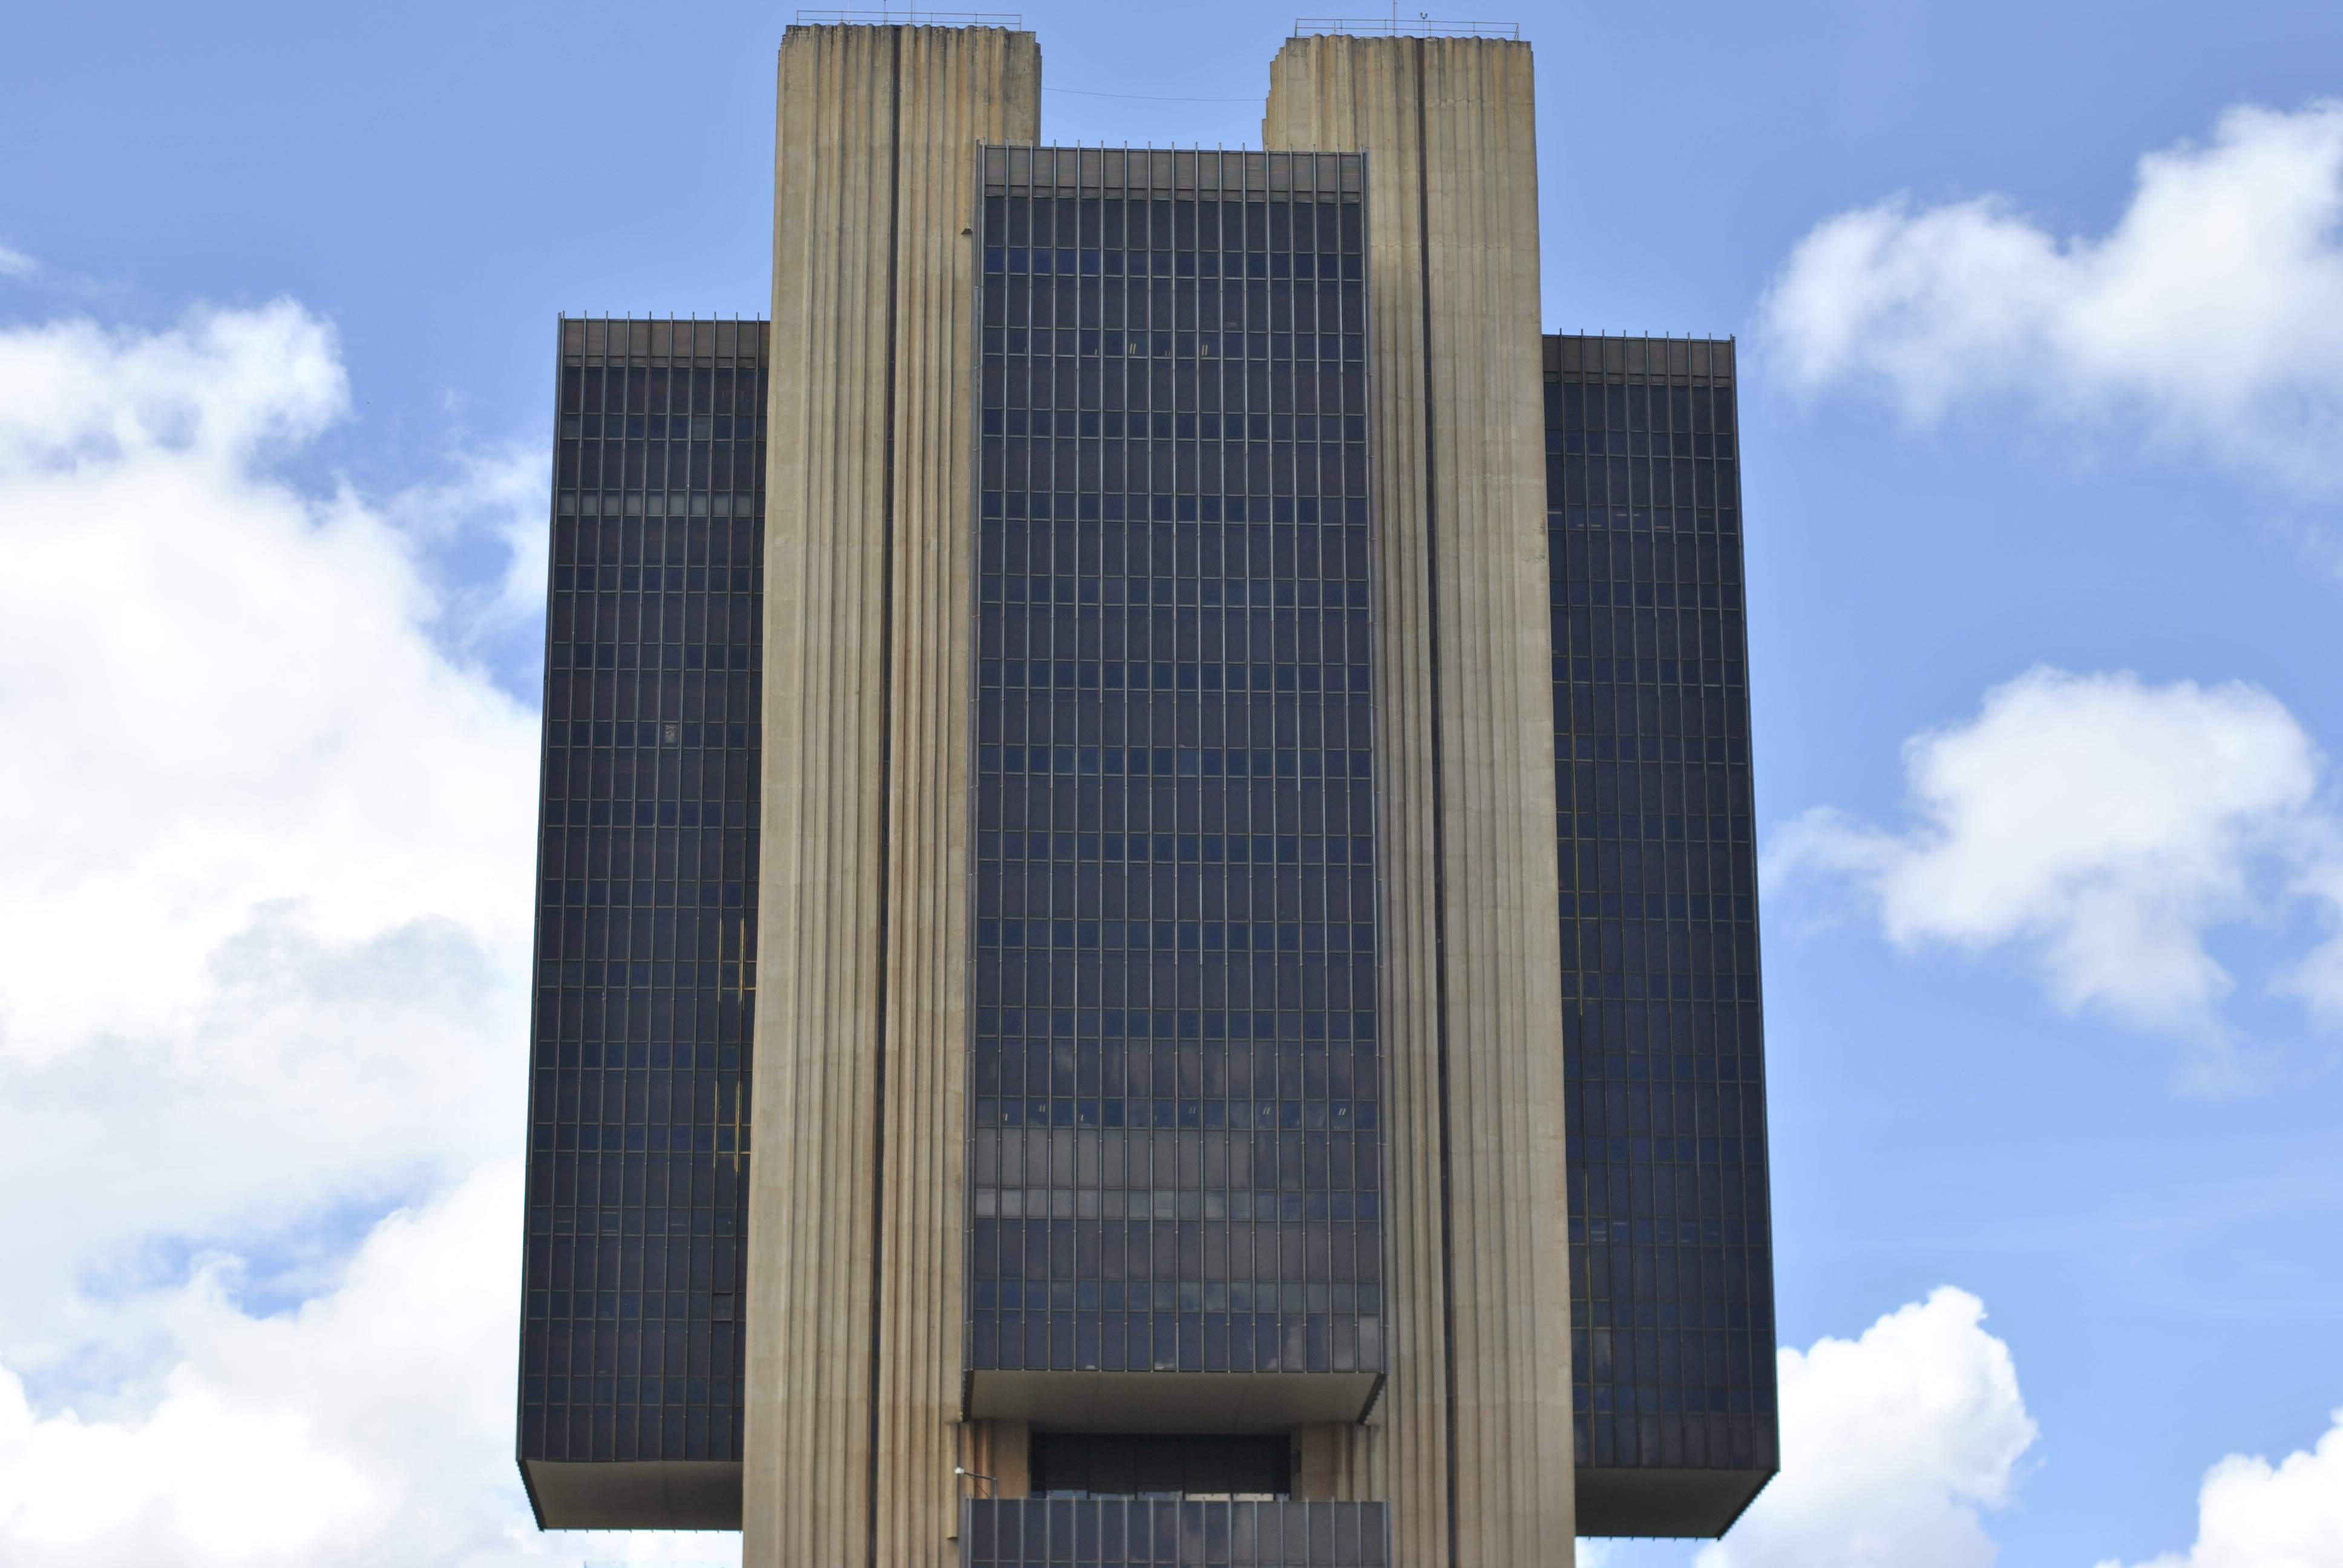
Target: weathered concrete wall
(1477, 1419)
(959, 88)
(1002, 1450)
(1330, 1463)
(855, 1211)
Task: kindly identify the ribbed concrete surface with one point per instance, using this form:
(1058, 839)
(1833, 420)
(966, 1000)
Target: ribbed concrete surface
(1330, 1463)
(860, 1046)
(1328, 100)
(1001, 1453)
(1480, 1390)
(959, 88)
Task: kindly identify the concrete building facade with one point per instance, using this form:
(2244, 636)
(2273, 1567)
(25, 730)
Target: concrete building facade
(1147, 930)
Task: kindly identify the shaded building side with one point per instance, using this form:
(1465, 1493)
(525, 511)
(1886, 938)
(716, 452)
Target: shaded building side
(1670, 1246)
(630, 1392)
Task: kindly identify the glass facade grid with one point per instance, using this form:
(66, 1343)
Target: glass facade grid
(1175, 1142)
(1082, 1463)
(647, 903)
(1671, 1263)
(1014, 1531)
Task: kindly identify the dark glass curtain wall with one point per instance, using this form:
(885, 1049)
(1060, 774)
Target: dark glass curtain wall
(1671, 1263)
(646, 896)
(1174, 1100)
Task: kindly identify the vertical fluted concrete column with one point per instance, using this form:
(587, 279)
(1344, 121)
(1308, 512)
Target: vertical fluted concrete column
(1324, 99)
(959, 88)
(1475, 1454)
(806, 1471)
(853, 1354)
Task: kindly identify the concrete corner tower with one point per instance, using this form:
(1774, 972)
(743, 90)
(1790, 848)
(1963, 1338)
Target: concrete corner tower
(853, 1354)
(1477, 1430)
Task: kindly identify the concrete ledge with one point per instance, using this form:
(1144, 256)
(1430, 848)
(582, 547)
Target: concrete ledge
(1681, 1503)
(635, 1494)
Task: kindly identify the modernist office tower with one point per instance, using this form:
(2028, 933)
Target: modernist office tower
(1066, 1032)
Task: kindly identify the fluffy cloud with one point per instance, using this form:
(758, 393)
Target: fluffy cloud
(2213, 308)
(2251, 1513)
(497, 498)
(370, 1426)
(15, 263)
(268, 844)
(224, 693)
(1893, 1445)
(2319, 978)
(2105, 826)
(268, 826)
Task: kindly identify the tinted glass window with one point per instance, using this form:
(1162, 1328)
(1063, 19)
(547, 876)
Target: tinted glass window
(1176, 1108)
(646, 896)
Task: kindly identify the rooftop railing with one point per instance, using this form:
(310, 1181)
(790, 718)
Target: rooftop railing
(1398, 27)
(886, 16)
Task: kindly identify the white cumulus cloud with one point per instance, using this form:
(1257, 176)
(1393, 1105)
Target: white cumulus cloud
(268, 827)
(1894, 1445)
(15, 263)
(371, 1427)
(2213, 308)
(2251, 1513)
(2104, 826)
(266, 914)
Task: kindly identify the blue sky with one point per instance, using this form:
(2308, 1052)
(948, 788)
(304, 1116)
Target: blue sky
(2048, 1020)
